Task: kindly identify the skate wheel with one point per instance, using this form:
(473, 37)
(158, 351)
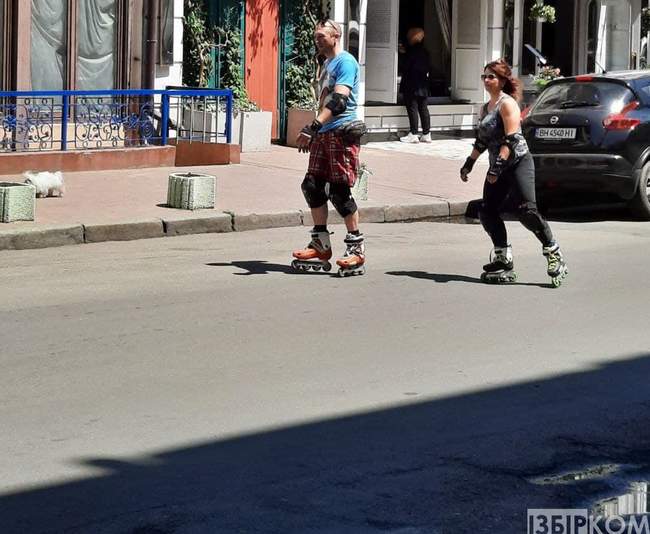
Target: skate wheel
(484, 277)
(296, 265)
(316, 267)
(327, 267)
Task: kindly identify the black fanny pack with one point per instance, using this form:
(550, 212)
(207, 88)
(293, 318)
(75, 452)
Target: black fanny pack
(353, 131)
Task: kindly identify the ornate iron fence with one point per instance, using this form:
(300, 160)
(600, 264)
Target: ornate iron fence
(82, 120)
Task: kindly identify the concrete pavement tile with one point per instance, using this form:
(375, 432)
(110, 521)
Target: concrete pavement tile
(198, 224)
(41, 237)
(127, 231)
(412, 212)
(255, 221)
(372, 214)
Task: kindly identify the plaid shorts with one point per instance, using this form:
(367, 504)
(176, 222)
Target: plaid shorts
(333, 160)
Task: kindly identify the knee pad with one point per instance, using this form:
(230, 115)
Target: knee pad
(314, 191)
(342, 199)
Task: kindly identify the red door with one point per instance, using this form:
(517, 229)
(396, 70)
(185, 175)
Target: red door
(262, 20)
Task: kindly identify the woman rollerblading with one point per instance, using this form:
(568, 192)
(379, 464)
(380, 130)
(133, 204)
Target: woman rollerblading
(500, 270)
(316, 255)
(510, 181)
(352, 262)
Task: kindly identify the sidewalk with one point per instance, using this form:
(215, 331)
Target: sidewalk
(409, 182)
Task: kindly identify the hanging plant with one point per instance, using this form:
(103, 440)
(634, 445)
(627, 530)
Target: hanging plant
(542, 12)
(645, 21)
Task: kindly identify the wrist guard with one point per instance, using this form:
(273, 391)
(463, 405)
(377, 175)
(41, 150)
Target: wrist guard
(468, 165)
(497, 167)
(312, 129)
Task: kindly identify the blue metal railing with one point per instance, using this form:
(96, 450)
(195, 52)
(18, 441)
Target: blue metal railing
(59, 120)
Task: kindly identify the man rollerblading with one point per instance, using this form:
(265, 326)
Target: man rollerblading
(333, 141)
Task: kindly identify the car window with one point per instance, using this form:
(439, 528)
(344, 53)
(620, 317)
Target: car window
(598, 94)
(643, 87)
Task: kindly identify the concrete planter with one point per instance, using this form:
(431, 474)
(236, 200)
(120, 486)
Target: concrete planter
(17, 202)
(191, 191)
(296, 120)
(252, 130)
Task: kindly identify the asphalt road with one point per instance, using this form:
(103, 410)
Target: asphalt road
(196, 384)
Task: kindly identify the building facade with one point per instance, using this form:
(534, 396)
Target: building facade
(463, 35)
(90, 44)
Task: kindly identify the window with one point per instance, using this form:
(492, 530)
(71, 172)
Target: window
(86, 57)
(2, 45)
(528, 60)
(166, 32)
(508, 30)
(49, 44)
(96, 44)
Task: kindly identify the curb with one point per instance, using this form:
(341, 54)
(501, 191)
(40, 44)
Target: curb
(201, 223)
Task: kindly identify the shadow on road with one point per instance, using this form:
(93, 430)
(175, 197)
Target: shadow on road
(445, 278)
(262, 267)
(466, 463)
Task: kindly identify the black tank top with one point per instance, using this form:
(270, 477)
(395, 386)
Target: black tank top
(491, 132)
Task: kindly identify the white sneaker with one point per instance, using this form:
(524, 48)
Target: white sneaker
(426, 138)
(410, 138)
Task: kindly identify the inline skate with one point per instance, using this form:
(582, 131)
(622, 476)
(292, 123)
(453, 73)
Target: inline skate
(557, 268)
(500, 270)
(316, 255)
(353, 261)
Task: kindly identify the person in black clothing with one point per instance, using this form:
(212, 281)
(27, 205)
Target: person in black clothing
(415, 86)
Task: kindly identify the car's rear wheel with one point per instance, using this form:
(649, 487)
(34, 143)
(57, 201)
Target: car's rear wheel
(640, 204)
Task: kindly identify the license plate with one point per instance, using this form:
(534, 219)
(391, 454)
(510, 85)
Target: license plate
(555, 133)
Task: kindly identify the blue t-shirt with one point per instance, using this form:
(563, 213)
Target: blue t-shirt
(342, 69)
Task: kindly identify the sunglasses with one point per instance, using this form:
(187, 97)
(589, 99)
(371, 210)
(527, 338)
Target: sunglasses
(488, 77)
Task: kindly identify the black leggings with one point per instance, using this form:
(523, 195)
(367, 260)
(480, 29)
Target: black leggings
(417, 105)
(513, 192)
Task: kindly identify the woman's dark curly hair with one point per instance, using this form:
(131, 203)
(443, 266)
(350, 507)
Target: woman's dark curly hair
(512, 86)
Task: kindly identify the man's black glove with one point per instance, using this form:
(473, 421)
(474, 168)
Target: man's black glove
(497, 167)
(312, 129)
(466, 168)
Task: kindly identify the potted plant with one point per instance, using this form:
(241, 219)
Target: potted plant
(542, 13)
(546, 74)
(251, 128)
(302, 68)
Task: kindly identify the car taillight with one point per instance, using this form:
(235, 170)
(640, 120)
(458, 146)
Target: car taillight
(525, 112)
(584, 78)
(619, 121)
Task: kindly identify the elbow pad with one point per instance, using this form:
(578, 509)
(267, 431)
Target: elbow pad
(337, 103)
(479, 146)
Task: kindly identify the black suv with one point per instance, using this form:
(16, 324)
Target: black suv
(591, 134)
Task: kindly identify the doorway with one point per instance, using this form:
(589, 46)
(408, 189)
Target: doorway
(434, 17)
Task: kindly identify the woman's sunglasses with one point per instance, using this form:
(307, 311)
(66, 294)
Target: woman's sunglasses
(488, 77)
